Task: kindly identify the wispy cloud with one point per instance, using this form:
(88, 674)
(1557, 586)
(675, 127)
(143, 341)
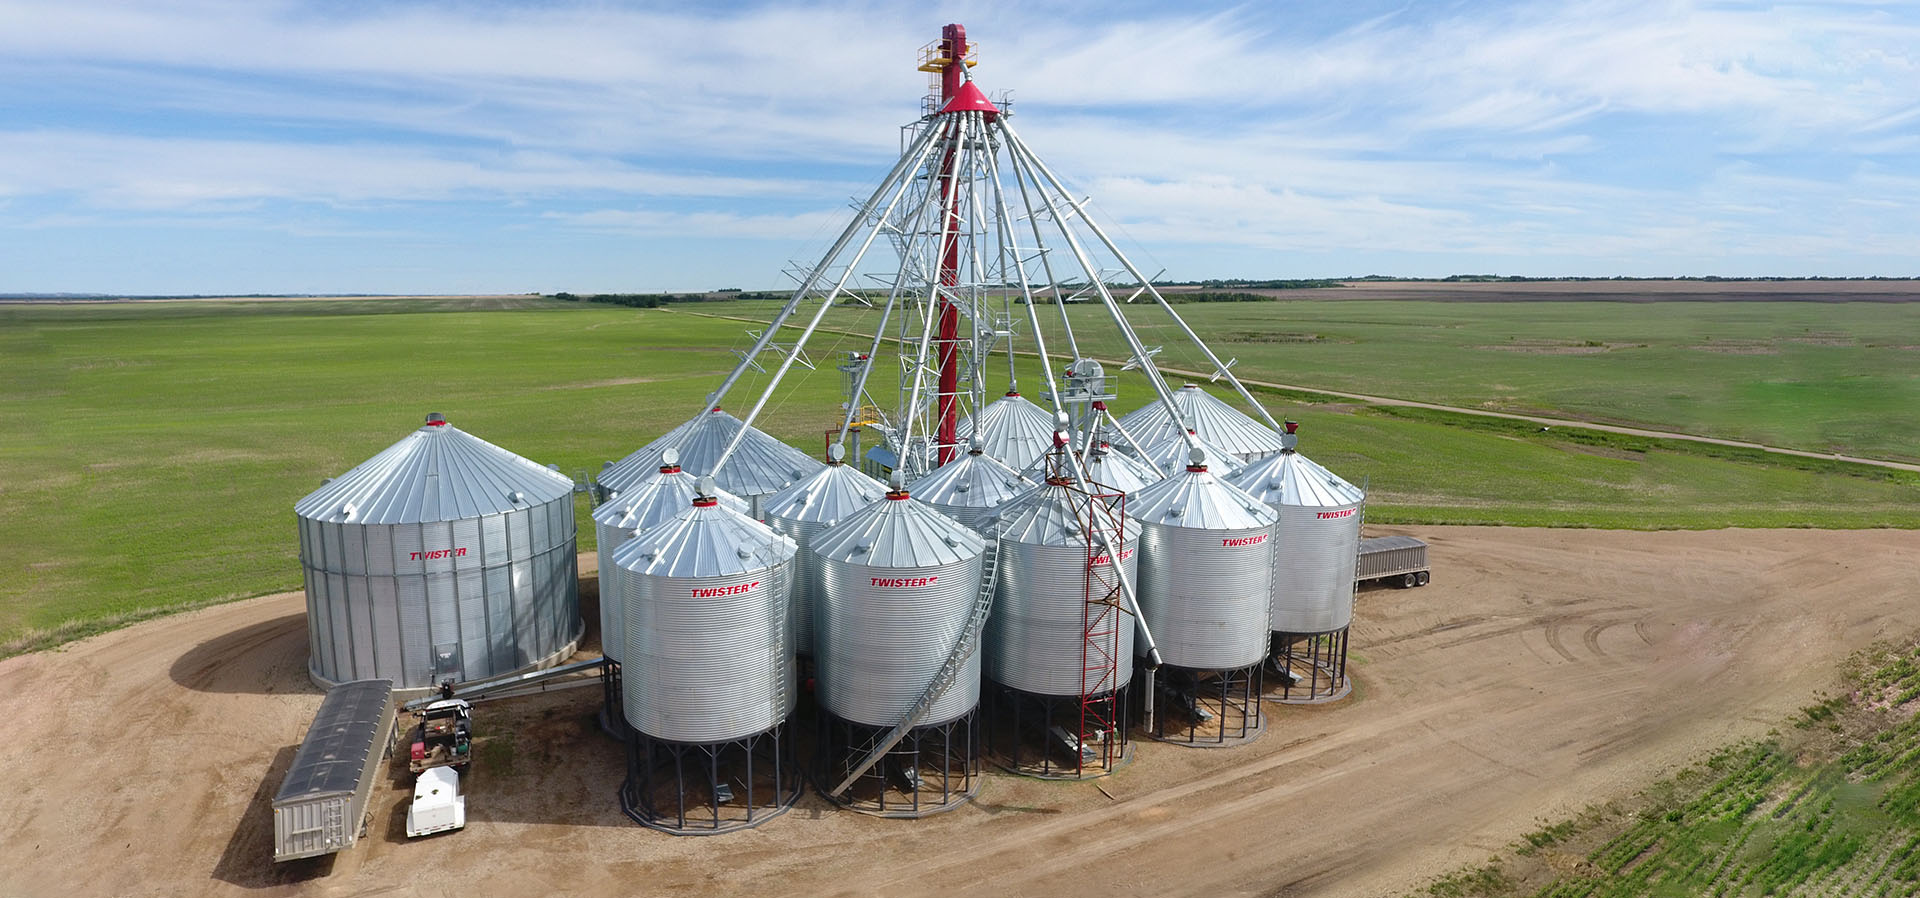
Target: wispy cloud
(1685, 136)
(157, 172)
(656, 222)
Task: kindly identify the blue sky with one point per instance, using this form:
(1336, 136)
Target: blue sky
(207, 146)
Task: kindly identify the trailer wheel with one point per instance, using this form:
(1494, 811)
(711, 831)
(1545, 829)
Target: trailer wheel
(1409, 581)
(1425, 578)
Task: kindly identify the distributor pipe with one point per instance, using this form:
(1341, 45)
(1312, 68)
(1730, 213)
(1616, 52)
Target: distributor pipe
(1079, 467)
(925, 144)
(1152, 291)
(907, 159)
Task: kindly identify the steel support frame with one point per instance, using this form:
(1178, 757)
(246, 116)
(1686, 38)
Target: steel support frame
(1102, 611)
(933, 768)
(952, 76)
(1022, 741)
(613, 713)
(1231, 696)
(1318, 664)
(674, 787)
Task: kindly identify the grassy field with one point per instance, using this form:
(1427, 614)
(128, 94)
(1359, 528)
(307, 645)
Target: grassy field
(1826, 377)
(1830, 806)
(150, 454)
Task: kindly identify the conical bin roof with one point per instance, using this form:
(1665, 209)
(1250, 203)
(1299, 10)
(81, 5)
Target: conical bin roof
(1290, 478)
(835, 491)
(1169, 454)
(761, 465)
(704, 540)
(1109, 468)
(655, 499)
(646, 459)
(436, 473)
(900, 532)
(1011, 429)
(1196, 499)
(1053, 515)
(970, 488)
(1210, 417)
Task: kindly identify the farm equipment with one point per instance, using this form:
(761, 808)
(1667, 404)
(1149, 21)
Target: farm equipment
(444, 736)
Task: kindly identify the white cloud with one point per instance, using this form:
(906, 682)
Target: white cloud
(115, 171)
(664, 223)
(1590, 129)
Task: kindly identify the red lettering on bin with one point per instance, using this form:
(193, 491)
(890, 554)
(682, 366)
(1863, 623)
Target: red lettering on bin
(902, 582)
(436, 554)
(1237, 541)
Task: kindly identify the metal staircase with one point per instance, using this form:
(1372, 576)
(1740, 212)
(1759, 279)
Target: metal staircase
(949, 671)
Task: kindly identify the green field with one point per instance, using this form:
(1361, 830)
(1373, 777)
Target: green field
(1820, 376)
(150, 454)
(1828, 806)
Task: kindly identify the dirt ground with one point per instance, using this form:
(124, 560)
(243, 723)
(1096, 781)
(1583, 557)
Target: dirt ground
(1541, 671)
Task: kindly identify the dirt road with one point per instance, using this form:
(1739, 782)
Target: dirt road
(1548, 421)
(1541, 671)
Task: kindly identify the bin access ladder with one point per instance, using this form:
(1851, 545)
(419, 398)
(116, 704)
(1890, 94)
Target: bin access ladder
(963, 649)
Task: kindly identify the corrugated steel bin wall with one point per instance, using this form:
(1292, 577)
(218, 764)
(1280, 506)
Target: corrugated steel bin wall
(1036, 638)
(1205, 594)
(708, 659)
(503, 588)
(878, 646)
(1313, 560)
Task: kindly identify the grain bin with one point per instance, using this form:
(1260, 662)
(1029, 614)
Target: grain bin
(1059, 648)
(1165, 451)
(801, 511)
(707, 676)
(761, 466)
(642, 505)
(1011, 429)
(442, 557)
(970, 489)
(1036, 635)
(1109, 468)
(900, 583)
(1215, 421)
(1206, 569)
(1317, 541)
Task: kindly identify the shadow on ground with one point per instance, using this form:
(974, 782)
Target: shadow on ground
(248, 860)
(265, 658)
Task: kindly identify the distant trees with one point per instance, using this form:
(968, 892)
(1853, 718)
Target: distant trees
(655, 300)
(1275, 284)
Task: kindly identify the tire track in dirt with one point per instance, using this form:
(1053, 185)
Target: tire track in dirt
(1591, 638)
(1554, 642)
